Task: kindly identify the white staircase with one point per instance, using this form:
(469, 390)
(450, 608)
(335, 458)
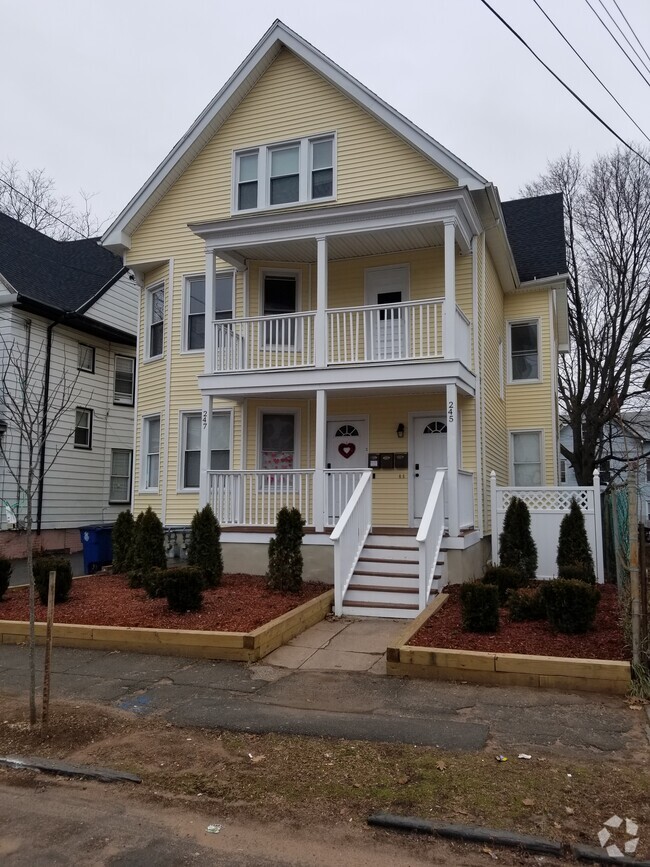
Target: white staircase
(385, 582)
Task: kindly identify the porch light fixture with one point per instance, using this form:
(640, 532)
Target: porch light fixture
(400, 430)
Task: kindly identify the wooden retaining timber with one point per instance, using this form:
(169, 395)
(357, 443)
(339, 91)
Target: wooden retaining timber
(239, 646)
(502, 669)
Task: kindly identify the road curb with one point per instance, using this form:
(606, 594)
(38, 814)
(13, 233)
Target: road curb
(49, 766)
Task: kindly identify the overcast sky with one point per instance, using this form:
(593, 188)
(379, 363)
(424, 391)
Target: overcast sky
(97, 92)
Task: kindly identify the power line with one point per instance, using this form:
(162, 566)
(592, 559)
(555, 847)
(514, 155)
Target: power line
(565, 85)
(36, 205)
(584, 62)
(632, 30)
(627, 56)
(618, 27)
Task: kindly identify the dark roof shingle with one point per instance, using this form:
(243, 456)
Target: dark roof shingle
(535, 228)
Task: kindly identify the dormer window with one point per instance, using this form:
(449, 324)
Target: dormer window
(286, 173)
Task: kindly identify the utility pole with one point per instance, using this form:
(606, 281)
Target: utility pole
(635, 586)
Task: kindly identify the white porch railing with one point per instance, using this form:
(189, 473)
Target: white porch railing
(264, 342)
(429, 537)
(339, 487)
(349, 536)
(385, 332)
(253, 498)
(465, 499)
(463, 338)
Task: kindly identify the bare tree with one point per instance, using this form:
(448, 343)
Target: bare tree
(607, 222)
(30, 196)
(33, 409)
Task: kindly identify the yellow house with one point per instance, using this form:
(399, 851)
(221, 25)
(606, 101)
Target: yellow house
(382, 332)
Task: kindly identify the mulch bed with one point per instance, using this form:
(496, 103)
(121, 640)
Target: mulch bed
(444, 629)
(240, 603)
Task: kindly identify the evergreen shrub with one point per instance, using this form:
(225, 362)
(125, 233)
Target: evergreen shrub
(517, 548)
(204, 549)
(148, 542)
(285, 552)
(5, 575)
(526, 604)
(573, 547)
(570, 605)
(184, 588)
(479, 604)
(136, 578)
(42, 568)
(505, 578)
(153, 582)
(122, 541)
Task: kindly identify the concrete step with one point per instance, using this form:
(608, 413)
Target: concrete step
(405, 542)
(395, 597)
(381, 588)
(363, 579)
(393, 567)
(370, 609)
(379, 552)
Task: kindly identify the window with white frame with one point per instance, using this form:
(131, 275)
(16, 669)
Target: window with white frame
(83, 428)
(124, 380)
(86, 358)
(224, 284)
(526, 451)
(155, 320)
(501, 373)
(151, 452)
(191, 446)
(524, 350)
(120, 483)
(278, 441)
(286, 173)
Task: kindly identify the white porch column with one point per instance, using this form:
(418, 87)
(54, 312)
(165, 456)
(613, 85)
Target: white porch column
(206, 427)
(210, 270)
(453, 525)
(320, 456)
(320, 318)
(449, 327)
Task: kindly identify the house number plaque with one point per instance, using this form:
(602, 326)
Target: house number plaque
(450, 411)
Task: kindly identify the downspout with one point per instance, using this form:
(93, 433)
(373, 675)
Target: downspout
(46, 400)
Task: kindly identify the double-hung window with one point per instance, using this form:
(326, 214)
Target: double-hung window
(526, 450)
(120, 483)
(155, 320)
(86, 358)
(83, 428)
(285, 173)
(195, 306)
(191, 446)
(524, 351)
(151, 452)
(124, 381)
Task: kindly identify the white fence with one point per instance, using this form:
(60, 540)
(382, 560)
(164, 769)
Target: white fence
(547, 507)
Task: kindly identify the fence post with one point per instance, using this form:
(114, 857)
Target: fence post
(493, 511)
(598, 535)
(45, 709)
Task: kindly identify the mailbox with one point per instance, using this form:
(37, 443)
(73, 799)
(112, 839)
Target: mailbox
(373, 460)
(387, 460)
(401, 460)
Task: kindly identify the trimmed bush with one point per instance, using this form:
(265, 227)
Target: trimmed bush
(136, 578)
(570, 605)
(578, 572)
(204, 549)
(525, 604)
(517, 549)
(285, 552)
(505, 578)
(153, 583)
(122, 541)
(5, 576)
(479, 604)
(42, 568)
(184, 588)
(573, 548)
(148, 542)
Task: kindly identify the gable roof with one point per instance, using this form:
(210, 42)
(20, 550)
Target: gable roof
(535, 229)
(118, 236)
(60, 275)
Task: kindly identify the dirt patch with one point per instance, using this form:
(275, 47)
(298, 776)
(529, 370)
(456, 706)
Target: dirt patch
(240, 603)
(604, 641)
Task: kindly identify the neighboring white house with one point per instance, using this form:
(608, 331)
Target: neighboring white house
(70, 306)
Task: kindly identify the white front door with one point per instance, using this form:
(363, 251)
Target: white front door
(386, 328)
(347, 449)
(429, 454)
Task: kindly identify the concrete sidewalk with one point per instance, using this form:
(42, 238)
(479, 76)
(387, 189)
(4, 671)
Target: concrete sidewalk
(342, 704)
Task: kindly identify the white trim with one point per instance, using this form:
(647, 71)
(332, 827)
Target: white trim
(144, 419)
(511, 455)
(117, 401)
(185, 304)
(149, 290)
(554, 389)
(279, 410)
(478, 400)
(502, 371)
(136, 455)
(182, 436)
(540, 366)
(111, 474)
(164, 431)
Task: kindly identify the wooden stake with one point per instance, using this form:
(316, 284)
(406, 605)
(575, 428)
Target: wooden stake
(48, 651)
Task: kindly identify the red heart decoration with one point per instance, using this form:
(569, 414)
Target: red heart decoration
(346, 450)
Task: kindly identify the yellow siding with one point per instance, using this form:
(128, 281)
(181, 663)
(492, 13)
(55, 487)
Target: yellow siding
(530, 407)
(289, 100)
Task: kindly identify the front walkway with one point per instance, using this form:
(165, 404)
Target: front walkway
(343, 644)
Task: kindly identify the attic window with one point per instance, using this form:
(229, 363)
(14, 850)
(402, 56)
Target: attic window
(86, 358)
(284, 173)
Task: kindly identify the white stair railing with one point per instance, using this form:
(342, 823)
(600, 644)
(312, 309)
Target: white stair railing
(339, 487)
(429, 537)
(465, 499)
(349, 536)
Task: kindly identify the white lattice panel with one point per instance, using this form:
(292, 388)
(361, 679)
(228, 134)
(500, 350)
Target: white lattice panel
(547, 499)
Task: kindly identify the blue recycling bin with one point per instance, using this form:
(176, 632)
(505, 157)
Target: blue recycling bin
(97, 541)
